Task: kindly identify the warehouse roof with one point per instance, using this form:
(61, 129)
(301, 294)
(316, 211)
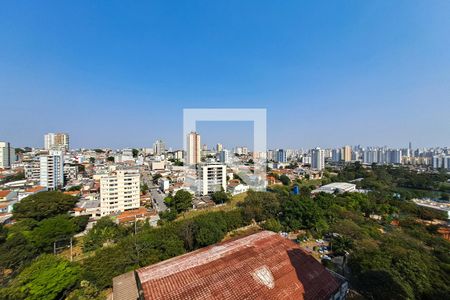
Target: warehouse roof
(259, 266)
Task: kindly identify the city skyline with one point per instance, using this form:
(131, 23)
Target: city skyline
(383, 81)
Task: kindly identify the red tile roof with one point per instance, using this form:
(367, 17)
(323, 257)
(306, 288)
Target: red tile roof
(131, 215)
(260, 266)
(4, 193)
(35, 189)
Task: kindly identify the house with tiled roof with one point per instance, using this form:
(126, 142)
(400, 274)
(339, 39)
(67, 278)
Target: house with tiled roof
(263, 265)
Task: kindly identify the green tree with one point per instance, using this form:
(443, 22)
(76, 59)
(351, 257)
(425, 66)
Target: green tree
(16, 252)
(135, 152)
(341, 244)
(107, 263)
(285, 180)
(105, 231)
(182, 201)
(260, 206)
(47, 278)
(379, 284)
(220, 197)
(301, 213)
(52, 230)
(44, 205)
(210, 229)
(144, 188)
(272, 225)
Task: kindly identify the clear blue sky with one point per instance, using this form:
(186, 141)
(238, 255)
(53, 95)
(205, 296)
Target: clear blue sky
(119, 73)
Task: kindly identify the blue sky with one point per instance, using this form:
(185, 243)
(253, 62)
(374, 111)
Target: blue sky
(119, 73)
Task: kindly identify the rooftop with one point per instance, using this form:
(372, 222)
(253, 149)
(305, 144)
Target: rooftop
(259, 266)
(4, 193)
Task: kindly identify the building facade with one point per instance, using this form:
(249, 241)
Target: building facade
(119, 191)
(211, 178)
(51, 170)
(193, 156)
(317, 159)
(56, 141)
(159, 147)
(346, 154)
(7, 155)
(281, 156)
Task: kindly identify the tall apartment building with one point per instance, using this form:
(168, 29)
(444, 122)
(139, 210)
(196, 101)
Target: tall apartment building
(7, 155)
(56, 141)
(281, 156)
(317, 159)
(193, 149)
(393, 156)
(224, 156)
(32, 169)
(211, 178)
(441, 162)
(346, 153)
(51, 170)
(159, 147)
(119, 191)
(336, 155)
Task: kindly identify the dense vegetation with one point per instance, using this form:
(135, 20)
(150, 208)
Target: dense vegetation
(389, 250)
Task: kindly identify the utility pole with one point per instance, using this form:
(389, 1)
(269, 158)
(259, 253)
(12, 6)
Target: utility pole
(71, 251)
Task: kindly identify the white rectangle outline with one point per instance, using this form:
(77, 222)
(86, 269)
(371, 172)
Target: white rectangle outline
(256, 115)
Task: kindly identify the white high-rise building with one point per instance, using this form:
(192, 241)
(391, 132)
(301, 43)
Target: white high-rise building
(318, 159)
(193, 149)
(159, 147)
(56, 141)
(119, 191)
(7, 155)
(212, 178)
(441, 162)
(51, 170)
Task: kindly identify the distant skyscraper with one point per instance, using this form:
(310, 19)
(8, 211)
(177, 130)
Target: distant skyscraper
(7, 155)
(219, 147)
(318, 159)
(193, 148)
(159, 147)
(281, 156)
(224, 156)
(336, 155)
(346, 153)
(393, 156)
(56, 141)
(51, 169)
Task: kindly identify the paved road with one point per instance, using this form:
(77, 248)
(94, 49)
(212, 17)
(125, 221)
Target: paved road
(157, 196)
(158, 199)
